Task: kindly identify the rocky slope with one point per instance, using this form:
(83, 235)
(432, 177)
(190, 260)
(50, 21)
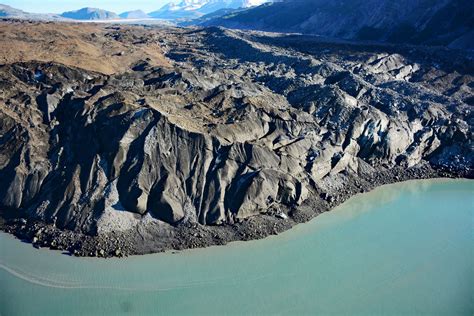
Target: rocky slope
(237, 136)
(439, 22)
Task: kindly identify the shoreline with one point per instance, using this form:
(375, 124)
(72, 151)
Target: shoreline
(144, 140)
(148, 240)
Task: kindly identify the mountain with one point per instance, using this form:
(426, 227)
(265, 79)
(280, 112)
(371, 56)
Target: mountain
(90, 14)
(136, 14)
(196, 8)
(9, 12)
(208, 17)
(144, 139)
(433, 22)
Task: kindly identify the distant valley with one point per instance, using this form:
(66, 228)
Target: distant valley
(186, 9)
(435, 23)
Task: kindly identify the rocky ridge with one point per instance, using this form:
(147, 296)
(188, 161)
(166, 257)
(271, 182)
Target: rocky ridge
(427, 22)
(238, 136)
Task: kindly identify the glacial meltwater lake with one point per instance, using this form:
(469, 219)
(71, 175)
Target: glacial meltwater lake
(400, 249)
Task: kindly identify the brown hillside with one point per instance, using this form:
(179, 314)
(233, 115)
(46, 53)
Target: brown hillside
(89, 46)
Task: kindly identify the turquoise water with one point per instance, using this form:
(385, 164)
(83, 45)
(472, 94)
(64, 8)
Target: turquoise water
(401, 249)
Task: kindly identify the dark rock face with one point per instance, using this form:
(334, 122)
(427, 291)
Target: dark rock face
(242, 124)
(440, 22)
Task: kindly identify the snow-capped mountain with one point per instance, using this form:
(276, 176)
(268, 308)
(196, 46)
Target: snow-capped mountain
(197, 8)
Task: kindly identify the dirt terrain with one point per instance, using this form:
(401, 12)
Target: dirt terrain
(118, 140)
(84, 45)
